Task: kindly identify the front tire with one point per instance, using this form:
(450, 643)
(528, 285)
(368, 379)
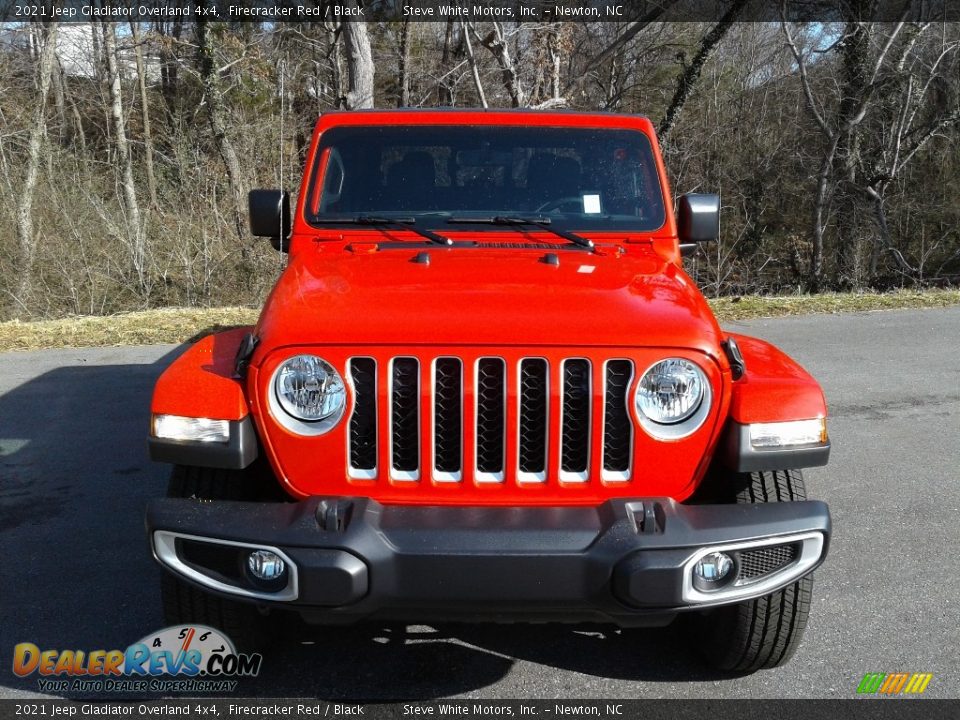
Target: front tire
(185, 603)
(764, 632)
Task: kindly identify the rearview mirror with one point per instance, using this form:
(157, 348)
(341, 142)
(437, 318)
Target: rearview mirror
(270, 216)
(698, 219)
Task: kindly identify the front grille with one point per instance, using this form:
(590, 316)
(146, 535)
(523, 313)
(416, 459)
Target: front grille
(755, 564)
(484, 420)
(617, 428)
(363, 421)
(448, 418)
(533, 418)
(575, 453)
(405, 419)
(491, 420)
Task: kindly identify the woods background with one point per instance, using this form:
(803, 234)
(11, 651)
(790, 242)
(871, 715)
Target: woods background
(127, 149)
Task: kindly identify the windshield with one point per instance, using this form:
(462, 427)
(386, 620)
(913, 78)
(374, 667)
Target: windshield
(576, 178)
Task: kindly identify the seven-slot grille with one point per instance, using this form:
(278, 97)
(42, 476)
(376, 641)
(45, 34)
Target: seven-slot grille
(430, 397)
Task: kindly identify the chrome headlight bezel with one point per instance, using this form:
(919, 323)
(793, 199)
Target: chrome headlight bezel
(285, 412)
(685, 424)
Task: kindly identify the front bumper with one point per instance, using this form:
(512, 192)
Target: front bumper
(627, 561)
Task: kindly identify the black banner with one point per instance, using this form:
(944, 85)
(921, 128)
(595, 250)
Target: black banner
(537, 11)
(266, 709)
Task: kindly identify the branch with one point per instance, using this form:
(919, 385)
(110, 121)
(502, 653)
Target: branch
(631, 32)
(690, 76)
(473, 64)
(804, 78)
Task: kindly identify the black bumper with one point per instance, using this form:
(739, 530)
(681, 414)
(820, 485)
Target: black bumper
(625, 561)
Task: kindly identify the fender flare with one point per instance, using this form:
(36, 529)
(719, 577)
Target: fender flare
(774, 388)
(203, 383)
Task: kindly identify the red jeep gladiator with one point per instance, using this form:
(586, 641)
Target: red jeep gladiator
(484, 389)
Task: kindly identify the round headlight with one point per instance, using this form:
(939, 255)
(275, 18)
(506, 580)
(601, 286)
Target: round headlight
(671, 391)
(309, 389)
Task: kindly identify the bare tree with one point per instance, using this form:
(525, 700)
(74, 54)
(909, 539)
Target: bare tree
(599, 59)
(134, 234)
(691, 74)
(403, 69)
(918, 110)
(144, 113)
(465, 28)
(444, 94)
(496, 42)
(38, 131)
(360, 68)
(840, 134)
(217, 114)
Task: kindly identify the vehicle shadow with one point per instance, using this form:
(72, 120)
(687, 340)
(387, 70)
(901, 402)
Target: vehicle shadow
(74, 480)
(375, 662)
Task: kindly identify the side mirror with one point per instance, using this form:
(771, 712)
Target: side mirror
(270, 215)
(698, 220)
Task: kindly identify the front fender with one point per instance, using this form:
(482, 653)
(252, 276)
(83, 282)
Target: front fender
(774, 389)
(202, 383)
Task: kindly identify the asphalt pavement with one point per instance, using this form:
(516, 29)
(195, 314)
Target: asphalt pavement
(75, 569)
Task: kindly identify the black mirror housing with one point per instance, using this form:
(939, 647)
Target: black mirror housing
(698, 218)
(270, 215)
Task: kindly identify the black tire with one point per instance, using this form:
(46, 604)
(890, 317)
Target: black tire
(765, 632)
(184, 603)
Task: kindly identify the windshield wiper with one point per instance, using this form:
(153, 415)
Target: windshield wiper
(540, 222)
(406, 223)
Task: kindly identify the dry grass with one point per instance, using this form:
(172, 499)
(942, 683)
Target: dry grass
(177, 325)
(149, 327)
(755, 306)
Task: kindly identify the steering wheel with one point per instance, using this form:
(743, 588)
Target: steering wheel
(555, 205)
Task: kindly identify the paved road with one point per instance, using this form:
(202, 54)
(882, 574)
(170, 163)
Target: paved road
(75, 570)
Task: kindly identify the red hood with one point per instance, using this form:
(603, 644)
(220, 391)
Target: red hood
(485, 296)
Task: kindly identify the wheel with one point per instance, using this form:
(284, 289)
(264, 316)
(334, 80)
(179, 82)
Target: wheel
(184, 603)
(764, 632)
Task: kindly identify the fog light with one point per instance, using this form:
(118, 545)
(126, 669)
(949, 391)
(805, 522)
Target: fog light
(265, 565)
(713, 567)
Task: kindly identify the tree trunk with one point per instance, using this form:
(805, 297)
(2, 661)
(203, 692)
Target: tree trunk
(444, 95)
(25, 239)
(134, 229)
(403, 72)
(217, 115)
(359, 63)
(555, 43)
(853, 51)
(496, 43)
(472, 61)
(60, 100)
(145, 113)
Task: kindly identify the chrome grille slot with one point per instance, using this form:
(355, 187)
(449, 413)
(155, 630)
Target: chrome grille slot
(448, 419)
(405, 418)
(363, 421)
(575, 421)
(533, 420)
(491, 418)
(617, 427)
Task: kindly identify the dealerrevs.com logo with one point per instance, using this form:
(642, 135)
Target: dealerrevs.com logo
(192, 658)
(894, 683)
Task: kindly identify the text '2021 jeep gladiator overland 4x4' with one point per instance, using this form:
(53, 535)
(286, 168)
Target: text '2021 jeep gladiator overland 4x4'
(483, 388)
